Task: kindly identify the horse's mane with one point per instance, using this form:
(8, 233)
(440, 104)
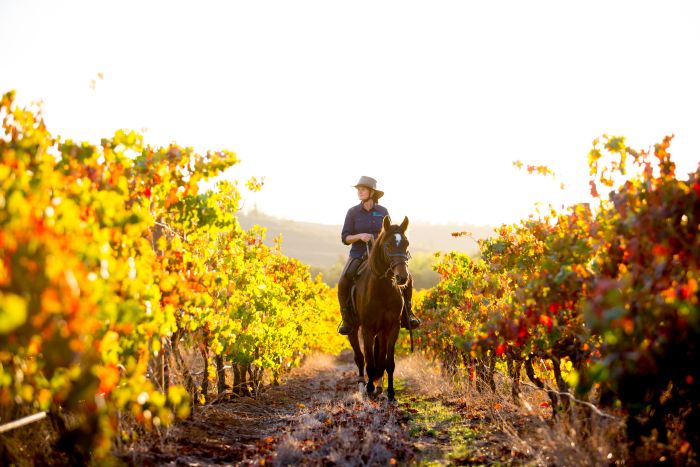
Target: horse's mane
(375, 256)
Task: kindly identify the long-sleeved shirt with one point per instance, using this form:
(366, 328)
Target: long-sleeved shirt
(359, 220)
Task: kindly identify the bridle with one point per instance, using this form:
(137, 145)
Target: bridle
(401, 258)
(394, 259)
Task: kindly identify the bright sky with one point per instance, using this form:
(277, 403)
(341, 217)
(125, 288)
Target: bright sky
(435, 99)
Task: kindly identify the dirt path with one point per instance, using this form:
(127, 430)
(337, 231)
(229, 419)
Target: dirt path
(318, 417)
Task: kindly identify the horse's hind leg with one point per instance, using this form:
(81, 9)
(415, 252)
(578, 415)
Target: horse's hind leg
(354, 339)
(390, 363)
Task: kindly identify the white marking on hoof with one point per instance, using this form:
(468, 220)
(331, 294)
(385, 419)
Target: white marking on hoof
(361, 385)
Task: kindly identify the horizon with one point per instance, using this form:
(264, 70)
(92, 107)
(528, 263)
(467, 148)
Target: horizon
(436, 102)
(257, 211)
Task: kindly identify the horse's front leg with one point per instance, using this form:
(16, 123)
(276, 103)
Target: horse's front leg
(370, 364)
(380, 344)
(390, 364)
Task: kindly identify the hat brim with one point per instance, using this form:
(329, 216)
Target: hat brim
(378, 193)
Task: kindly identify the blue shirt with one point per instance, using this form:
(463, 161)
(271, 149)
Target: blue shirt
(358, 220)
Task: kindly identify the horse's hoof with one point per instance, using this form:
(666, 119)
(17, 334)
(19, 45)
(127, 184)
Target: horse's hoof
(361, 385)
(391, 396)
(379, 390)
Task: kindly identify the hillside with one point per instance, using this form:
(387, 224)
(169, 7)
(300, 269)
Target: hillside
(319, 245)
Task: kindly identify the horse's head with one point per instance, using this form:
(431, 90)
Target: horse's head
(395, 249)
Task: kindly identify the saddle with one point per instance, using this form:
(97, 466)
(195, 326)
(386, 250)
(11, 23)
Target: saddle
(360, 269)
(353, 274)
(356, 268)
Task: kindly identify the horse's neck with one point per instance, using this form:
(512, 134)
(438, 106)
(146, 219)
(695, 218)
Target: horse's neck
(377, 285)
(378, 274)
(376, 265)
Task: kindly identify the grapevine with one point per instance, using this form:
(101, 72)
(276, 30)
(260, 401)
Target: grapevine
(113, 264)
(607, 295)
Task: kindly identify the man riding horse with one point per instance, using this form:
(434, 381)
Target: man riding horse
(363, 222)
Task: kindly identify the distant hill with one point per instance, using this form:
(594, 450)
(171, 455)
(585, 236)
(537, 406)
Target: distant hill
(319, 245)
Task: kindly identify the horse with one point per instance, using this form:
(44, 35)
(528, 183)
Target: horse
(378, 302)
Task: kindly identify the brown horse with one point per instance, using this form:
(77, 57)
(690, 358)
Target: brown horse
(378, 303)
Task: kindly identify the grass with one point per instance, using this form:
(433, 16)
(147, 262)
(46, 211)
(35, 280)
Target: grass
(505, 432)
(430, 419)
(436, 421)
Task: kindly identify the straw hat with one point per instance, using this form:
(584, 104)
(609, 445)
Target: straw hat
(370, 183)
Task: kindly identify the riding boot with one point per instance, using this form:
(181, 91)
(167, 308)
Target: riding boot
(407, 317)
(344, 289)
(346, 326)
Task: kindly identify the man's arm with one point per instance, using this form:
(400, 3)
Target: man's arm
(365, 237)
(347, 228)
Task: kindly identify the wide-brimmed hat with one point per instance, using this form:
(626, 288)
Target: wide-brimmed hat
(370, 183)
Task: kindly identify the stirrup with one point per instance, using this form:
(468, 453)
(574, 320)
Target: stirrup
(409, 321)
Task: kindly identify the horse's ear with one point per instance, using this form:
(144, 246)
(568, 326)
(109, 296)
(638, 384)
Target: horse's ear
(387, 222)
(404, 224)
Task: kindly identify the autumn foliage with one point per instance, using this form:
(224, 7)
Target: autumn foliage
(608, 296)
(112, 260)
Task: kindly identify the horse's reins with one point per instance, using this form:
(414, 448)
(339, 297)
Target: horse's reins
(404, 257)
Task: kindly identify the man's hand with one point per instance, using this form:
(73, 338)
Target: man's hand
(364, 237)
